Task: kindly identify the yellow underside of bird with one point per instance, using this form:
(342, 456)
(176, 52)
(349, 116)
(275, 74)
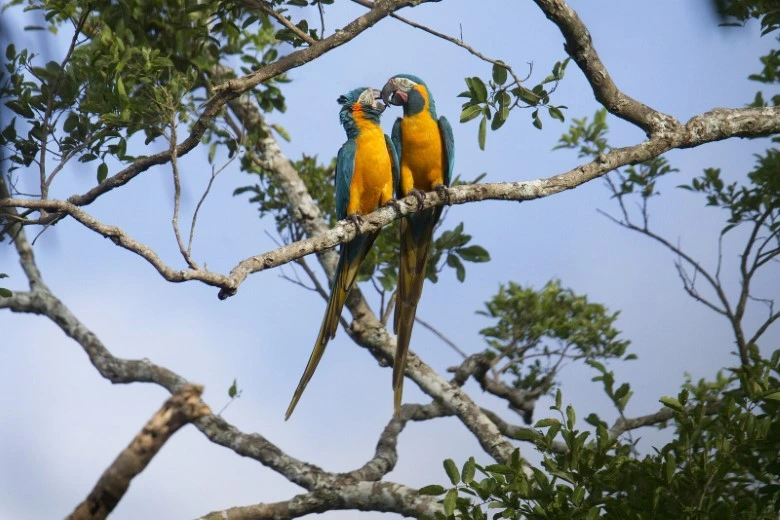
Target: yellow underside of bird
(422, 160)
(372, 183)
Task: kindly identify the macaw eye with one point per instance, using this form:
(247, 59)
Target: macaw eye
(366, 97)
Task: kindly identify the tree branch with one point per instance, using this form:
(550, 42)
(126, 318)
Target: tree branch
(712, 126)
(362, 496)
(579, 45)
(181, 408)
(623, 425)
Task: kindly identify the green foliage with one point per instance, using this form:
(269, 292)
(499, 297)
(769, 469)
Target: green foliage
(589, 139)
(535, 330)
(126, 72)
(756, 203)
(5, 293)
(720, 464)
(738, 12)
(495, 104)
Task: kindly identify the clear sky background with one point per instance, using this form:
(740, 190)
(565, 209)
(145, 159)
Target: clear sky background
(62, 424)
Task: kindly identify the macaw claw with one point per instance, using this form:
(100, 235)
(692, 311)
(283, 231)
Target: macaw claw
(394, 203)
(419, 195)
(356, 220)
(444, 193)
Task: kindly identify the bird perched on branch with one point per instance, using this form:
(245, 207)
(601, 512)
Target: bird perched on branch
(426, 148)
(366, 175)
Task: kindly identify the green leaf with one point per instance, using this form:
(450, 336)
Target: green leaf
(480, 90)
(537, 122)
(525, 434)
(21, 109)
(432, 490)
(450, 501)
(469, 113)
(475, 254)
(578, 495)
(558, 399)
(10, 52)
(452, 471)
(469, 468)
(5, 293)
(671, 402)
(570, 416)
(102, 172)
(543, 423)
(120, 88)
(233, 390)
(482, 133)
(556, 113)
(669, 467)
(774, 396)
(454, 262)
(283, 133)
(3, 275)
(499, 74)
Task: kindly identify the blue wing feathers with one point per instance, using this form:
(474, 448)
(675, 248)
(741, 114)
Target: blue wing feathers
(395, 165)
(345, 166)
(448, 140)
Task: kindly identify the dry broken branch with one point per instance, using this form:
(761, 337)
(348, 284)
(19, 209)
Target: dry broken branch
(181, 408)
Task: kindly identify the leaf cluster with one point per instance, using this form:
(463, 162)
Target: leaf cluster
(496, 104)
(720, 464)
(535, 330)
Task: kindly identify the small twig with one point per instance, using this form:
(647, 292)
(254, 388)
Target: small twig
(259, 4)
(177, 196)
(214, 174)
(390, 306)
(458, 42)
(441, 336)
(53, 90)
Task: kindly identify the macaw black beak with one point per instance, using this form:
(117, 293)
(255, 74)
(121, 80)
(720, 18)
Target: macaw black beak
(389, 94)
(377, 95)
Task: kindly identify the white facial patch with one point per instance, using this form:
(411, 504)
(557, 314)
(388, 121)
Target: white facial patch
(366, 97)
(405, 84)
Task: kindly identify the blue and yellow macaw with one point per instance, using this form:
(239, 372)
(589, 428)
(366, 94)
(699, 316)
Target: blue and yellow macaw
(366, 174)
(426, 147)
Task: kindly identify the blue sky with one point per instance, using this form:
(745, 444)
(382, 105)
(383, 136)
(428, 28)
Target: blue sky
(63, 424)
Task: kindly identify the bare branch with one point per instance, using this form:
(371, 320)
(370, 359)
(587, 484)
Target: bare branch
(623, 425)
(177, 196)
(362, 496)
(441, 336)
(455, 41)
(181, 408)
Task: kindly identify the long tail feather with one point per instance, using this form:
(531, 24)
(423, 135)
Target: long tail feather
(352, 255)
(416, 239)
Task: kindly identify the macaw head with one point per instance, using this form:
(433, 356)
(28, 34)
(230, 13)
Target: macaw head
(363, 100)
(409, 92)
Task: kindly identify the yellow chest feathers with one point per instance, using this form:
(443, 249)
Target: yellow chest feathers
(422, 161)
(372, 177)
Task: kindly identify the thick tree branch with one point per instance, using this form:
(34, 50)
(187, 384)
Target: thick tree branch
(181, 408)
(579, 45)
(361, 496)
(712, 126)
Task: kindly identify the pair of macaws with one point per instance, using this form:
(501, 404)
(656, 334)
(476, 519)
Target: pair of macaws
(370, 169)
